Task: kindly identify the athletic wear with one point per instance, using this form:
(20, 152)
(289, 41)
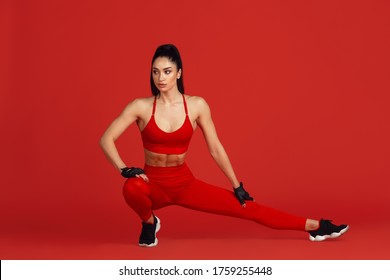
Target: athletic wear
(176, 185)
(158, 141)
(148, 234)
(327, 230)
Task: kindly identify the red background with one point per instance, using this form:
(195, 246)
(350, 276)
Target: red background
(298, 92)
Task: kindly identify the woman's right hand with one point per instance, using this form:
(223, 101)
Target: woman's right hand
(143, 177)
(134, 172)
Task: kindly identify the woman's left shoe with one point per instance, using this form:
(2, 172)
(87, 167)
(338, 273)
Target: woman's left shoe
(148, 234)
(327, 230)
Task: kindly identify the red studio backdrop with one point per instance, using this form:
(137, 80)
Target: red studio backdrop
(299, 93)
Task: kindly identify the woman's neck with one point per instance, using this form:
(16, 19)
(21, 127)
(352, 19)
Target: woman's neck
(170, 97)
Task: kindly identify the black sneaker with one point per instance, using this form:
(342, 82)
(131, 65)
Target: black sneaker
(327, 230)
(148, 234)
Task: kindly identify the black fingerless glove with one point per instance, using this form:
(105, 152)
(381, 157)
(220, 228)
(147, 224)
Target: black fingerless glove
(130, 172)
(242, 194)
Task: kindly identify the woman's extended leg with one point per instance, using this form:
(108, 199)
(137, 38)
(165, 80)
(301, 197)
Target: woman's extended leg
(209, 198)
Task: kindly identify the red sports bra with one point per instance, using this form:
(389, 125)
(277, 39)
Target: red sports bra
(175, 142)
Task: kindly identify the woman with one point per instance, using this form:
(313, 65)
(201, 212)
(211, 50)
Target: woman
(167, 121)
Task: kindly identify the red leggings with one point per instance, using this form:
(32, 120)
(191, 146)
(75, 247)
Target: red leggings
(177, 186)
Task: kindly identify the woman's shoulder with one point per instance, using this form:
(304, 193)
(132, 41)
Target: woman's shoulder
(139, 105)
(144, 100)
(141, 102)
(197, 105)
(196, 100)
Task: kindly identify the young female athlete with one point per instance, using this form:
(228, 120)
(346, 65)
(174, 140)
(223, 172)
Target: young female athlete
(167, 121)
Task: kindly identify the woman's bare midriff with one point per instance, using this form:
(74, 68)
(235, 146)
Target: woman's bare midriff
(163, 160)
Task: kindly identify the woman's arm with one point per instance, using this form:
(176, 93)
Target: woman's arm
(215, 147)
(115, 129)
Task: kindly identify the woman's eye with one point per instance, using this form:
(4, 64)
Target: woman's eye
(155, 72)
(168, 72)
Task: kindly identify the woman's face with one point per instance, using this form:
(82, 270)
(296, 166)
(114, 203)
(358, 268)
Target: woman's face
(165, 74)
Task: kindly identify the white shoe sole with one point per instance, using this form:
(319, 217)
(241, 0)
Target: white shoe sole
(158, 226)
(333, 235)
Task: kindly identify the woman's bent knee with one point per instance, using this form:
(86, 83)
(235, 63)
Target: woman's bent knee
(135, 186)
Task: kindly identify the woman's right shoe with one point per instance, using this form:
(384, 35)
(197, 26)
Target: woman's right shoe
(148, 234)
(327, 230)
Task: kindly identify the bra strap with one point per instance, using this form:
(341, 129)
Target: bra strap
(185, 104)
(154, 106)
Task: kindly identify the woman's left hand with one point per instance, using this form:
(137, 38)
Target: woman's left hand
(242, 195)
